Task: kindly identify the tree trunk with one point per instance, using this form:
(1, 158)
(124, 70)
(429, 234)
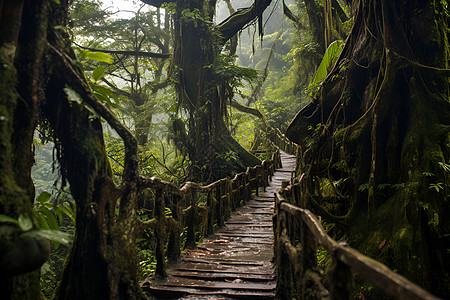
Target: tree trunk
(103, 262)
(379, 135)
(196, 55)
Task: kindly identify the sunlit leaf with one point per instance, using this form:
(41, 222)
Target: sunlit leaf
(98, 73)
(72, 95)
(444, 166)
(65, 208)
(45, 268)
(58, 213)
(42, 220)
(7, 219)
(53, 235)
(328, 60)
(25, 222)
(104, 90)
(43, 197)
(100, 56)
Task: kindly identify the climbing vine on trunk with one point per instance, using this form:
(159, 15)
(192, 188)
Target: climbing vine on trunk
(377, 136)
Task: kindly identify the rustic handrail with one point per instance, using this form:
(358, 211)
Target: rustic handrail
(200, 216)
(279, 140)
(295, 224)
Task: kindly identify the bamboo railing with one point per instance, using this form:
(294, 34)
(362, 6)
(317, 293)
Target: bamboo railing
(198, 210)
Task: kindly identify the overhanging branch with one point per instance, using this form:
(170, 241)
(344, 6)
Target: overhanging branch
(123, 52)
(156, 3)
(230, 26)
(246, 109)
(79, 85)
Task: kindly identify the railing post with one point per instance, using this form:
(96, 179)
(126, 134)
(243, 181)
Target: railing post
(228, 190)
(161, 268)
(309, 263)
(173, 247)
(340, 276)
(192, 218)
(211, 204)
(283, 288)
(219, 205)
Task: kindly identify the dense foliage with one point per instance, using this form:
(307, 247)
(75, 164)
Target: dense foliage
(180, 91)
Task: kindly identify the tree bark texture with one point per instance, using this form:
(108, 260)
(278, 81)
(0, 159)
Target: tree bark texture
(378, 135)
(36, 67)
(199, 89)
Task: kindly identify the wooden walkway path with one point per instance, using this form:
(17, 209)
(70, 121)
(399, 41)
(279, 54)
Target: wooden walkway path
(235, 262)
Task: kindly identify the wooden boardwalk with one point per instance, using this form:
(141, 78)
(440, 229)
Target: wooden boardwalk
(235, 262)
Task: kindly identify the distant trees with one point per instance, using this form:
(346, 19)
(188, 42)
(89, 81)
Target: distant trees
(137, 82)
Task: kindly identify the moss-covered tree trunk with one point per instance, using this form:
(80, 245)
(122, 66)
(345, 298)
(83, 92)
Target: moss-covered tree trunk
(196, 55)
(37, 72)
(377, 139)
(20, 256)
(210, 146)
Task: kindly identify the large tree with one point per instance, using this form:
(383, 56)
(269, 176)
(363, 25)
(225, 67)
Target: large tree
(377, 139)
(40, 81)
(201, 90)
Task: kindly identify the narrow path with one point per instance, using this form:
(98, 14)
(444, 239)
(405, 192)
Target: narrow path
(235, 262)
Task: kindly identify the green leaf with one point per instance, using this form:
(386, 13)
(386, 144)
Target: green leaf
(98, 73)
(100, 56)
(51, 219)
(444, 166)
(45, 268)
(68, 211)
(104, 91)
(72, 95)
(429, 174)
(25, 222)
(43, 197)
(61, 27)
(363, 187)
(53, 235)
(57, 211)
(328, 60)
(42, 220)
(7, 219)
(436, 186)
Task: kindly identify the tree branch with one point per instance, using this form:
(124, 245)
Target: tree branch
(80, 86)
(123, 52)
(116, 89)
(257, 89)
(156, 3)
(230, 26)
(246, 109)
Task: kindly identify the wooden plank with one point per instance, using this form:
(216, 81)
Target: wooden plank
(207, 269)
(177, 292)
(238, 285)
(222, 275)
(229, 261)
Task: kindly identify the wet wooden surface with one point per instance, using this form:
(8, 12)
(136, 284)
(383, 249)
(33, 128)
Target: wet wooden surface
(235, 262)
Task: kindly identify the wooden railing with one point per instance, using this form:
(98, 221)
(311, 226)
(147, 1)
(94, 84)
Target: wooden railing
(297, 232)
(281, 141)
(199, 209)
